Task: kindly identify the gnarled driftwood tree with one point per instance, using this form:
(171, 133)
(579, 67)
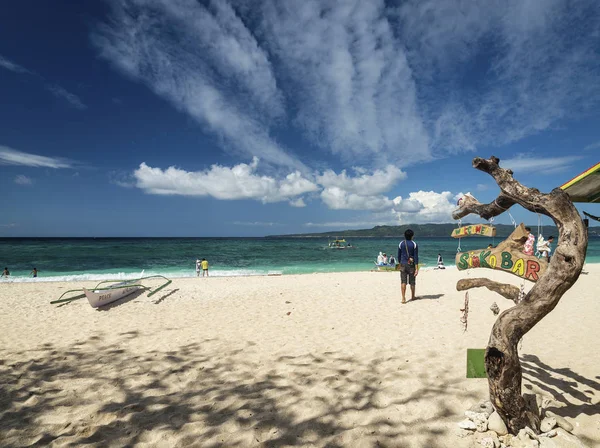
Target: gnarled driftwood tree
(501, 356)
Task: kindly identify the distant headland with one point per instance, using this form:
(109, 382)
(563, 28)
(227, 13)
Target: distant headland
(421, 230)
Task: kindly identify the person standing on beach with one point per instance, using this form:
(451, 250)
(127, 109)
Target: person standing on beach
(204, 267)
(5, 273)
(197, 268)
(33, 273)
(528, 246)
(408, 255)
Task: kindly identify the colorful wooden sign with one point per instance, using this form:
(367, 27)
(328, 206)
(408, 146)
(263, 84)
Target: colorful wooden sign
(474, 229)
(514, 262)
(507, 257)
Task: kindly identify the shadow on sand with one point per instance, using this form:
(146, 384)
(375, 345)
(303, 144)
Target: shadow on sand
(94, 393)
(563, 385)
(425, 297)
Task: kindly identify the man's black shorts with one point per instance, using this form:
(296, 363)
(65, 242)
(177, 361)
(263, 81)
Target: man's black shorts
(407, 274)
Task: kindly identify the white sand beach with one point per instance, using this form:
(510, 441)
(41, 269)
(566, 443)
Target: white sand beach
(308, 360)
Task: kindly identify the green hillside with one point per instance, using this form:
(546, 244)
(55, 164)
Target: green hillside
(421, 230)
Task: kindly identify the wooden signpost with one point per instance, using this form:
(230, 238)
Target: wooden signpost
(474, 229)
(508, 256)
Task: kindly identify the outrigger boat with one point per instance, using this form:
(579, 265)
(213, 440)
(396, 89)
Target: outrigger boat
(386, 267)
(339, 244)
(105, 293)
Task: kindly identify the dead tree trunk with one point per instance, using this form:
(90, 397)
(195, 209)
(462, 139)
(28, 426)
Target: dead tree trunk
(501, 357)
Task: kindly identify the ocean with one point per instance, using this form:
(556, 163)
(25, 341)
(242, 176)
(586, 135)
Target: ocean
(76, 259)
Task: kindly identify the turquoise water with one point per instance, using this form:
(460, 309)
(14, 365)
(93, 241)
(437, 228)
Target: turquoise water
(112, 258)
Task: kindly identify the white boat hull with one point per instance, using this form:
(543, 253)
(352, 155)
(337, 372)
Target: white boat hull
(103, 297)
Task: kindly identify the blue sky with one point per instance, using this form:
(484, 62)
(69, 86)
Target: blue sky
(248, 118)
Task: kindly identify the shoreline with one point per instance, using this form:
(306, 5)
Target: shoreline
(214, 274)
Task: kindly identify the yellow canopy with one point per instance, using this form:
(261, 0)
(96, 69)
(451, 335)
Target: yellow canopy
(585, 187)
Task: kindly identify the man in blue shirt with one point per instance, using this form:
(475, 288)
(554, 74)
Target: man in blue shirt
(408, 255)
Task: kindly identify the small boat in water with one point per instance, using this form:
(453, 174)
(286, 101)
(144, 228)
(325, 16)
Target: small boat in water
(109, 291)
(339, 244)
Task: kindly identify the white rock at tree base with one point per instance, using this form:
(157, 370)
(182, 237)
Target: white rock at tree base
(487, 442)
(496, 424)
(547, 424)
(488, 439)
(483, 407)
(476, 416)
(467, 424)
(482, 425)
(560, 421)
(562, 440)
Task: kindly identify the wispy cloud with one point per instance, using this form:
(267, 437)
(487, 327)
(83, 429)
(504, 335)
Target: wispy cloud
(9, 156)
(591, 146)
(343, 225)
(69, 97)
(206, 62)
(56, 90)
(256, 223)
(12, 66)
(541, 67)
(526, 163)
(21, 179)
(356, 92)
(360, 79)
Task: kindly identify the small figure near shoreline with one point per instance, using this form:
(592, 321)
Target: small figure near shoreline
(440, 262)
(5, 273)
(34, 273)
(204, 267)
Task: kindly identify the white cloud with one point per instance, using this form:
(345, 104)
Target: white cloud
(208, 64)
(595, 145)
(71, 98)
(424, 207)
(338, 199)
(21, 179)
(220, 182)
(299, 203)
(364, 184)
(9, 156)
(362, 192)
(337, 191)
(482, 187)
(526, 163)
(9, 65)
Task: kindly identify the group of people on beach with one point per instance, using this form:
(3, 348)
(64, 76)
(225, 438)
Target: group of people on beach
(202, 265)
(383, 260)
(543, 247)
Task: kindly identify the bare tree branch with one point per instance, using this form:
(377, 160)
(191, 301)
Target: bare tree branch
(502, 358)
(507, 291)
